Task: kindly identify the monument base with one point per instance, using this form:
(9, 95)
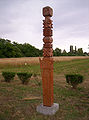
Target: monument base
(48, 110)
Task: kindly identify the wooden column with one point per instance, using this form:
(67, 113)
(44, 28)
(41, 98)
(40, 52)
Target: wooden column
(47, 62)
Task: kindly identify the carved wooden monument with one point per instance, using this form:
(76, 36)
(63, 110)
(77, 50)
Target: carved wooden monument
(47, 62)
(48, 107)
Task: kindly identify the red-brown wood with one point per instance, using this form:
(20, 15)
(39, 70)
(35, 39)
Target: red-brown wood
(47, 62)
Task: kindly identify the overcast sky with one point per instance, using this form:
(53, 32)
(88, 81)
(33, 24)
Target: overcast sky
(21, 21)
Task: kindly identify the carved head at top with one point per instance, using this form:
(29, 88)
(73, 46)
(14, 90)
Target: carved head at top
(47, 11)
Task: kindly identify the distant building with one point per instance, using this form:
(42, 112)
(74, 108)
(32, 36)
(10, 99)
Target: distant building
(75, 49)
(71, 49)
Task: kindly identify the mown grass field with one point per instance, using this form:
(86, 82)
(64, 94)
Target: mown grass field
(19, 102)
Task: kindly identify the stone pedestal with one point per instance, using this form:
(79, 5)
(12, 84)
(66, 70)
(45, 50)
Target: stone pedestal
(48, 110)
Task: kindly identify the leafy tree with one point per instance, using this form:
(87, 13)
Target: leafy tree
(29, 51)
(80, 52)
(64, 53)
(57, 52)
(8, 49)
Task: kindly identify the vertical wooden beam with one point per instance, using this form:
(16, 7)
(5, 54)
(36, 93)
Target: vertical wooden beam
(47, 62)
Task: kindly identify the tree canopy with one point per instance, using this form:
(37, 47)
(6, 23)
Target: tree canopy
(9, 50)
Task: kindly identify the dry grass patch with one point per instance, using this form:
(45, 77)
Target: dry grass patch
(35, 60)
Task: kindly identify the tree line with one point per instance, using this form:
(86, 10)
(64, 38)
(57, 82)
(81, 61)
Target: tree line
(14, 49)
(79, 52)
(10, 49)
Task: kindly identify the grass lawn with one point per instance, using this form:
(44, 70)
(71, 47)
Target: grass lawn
(19, 102)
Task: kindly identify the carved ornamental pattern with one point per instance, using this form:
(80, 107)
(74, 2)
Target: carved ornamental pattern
(47, 32)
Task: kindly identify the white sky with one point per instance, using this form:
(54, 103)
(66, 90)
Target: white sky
(21, 21)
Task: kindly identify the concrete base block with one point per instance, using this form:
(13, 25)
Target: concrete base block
(48, 110)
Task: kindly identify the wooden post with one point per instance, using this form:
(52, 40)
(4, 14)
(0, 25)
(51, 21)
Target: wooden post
(47, 62)
(48, 107)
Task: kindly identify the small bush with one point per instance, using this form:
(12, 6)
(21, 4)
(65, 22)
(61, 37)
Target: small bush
(24, 77)
(74, 79)
(8, 76)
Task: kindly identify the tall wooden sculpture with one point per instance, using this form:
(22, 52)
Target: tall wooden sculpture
(47, 65)
(47, 62)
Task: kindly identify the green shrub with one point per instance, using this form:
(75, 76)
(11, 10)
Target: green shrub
(74, 79)
(24, 77)
(8, 76)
